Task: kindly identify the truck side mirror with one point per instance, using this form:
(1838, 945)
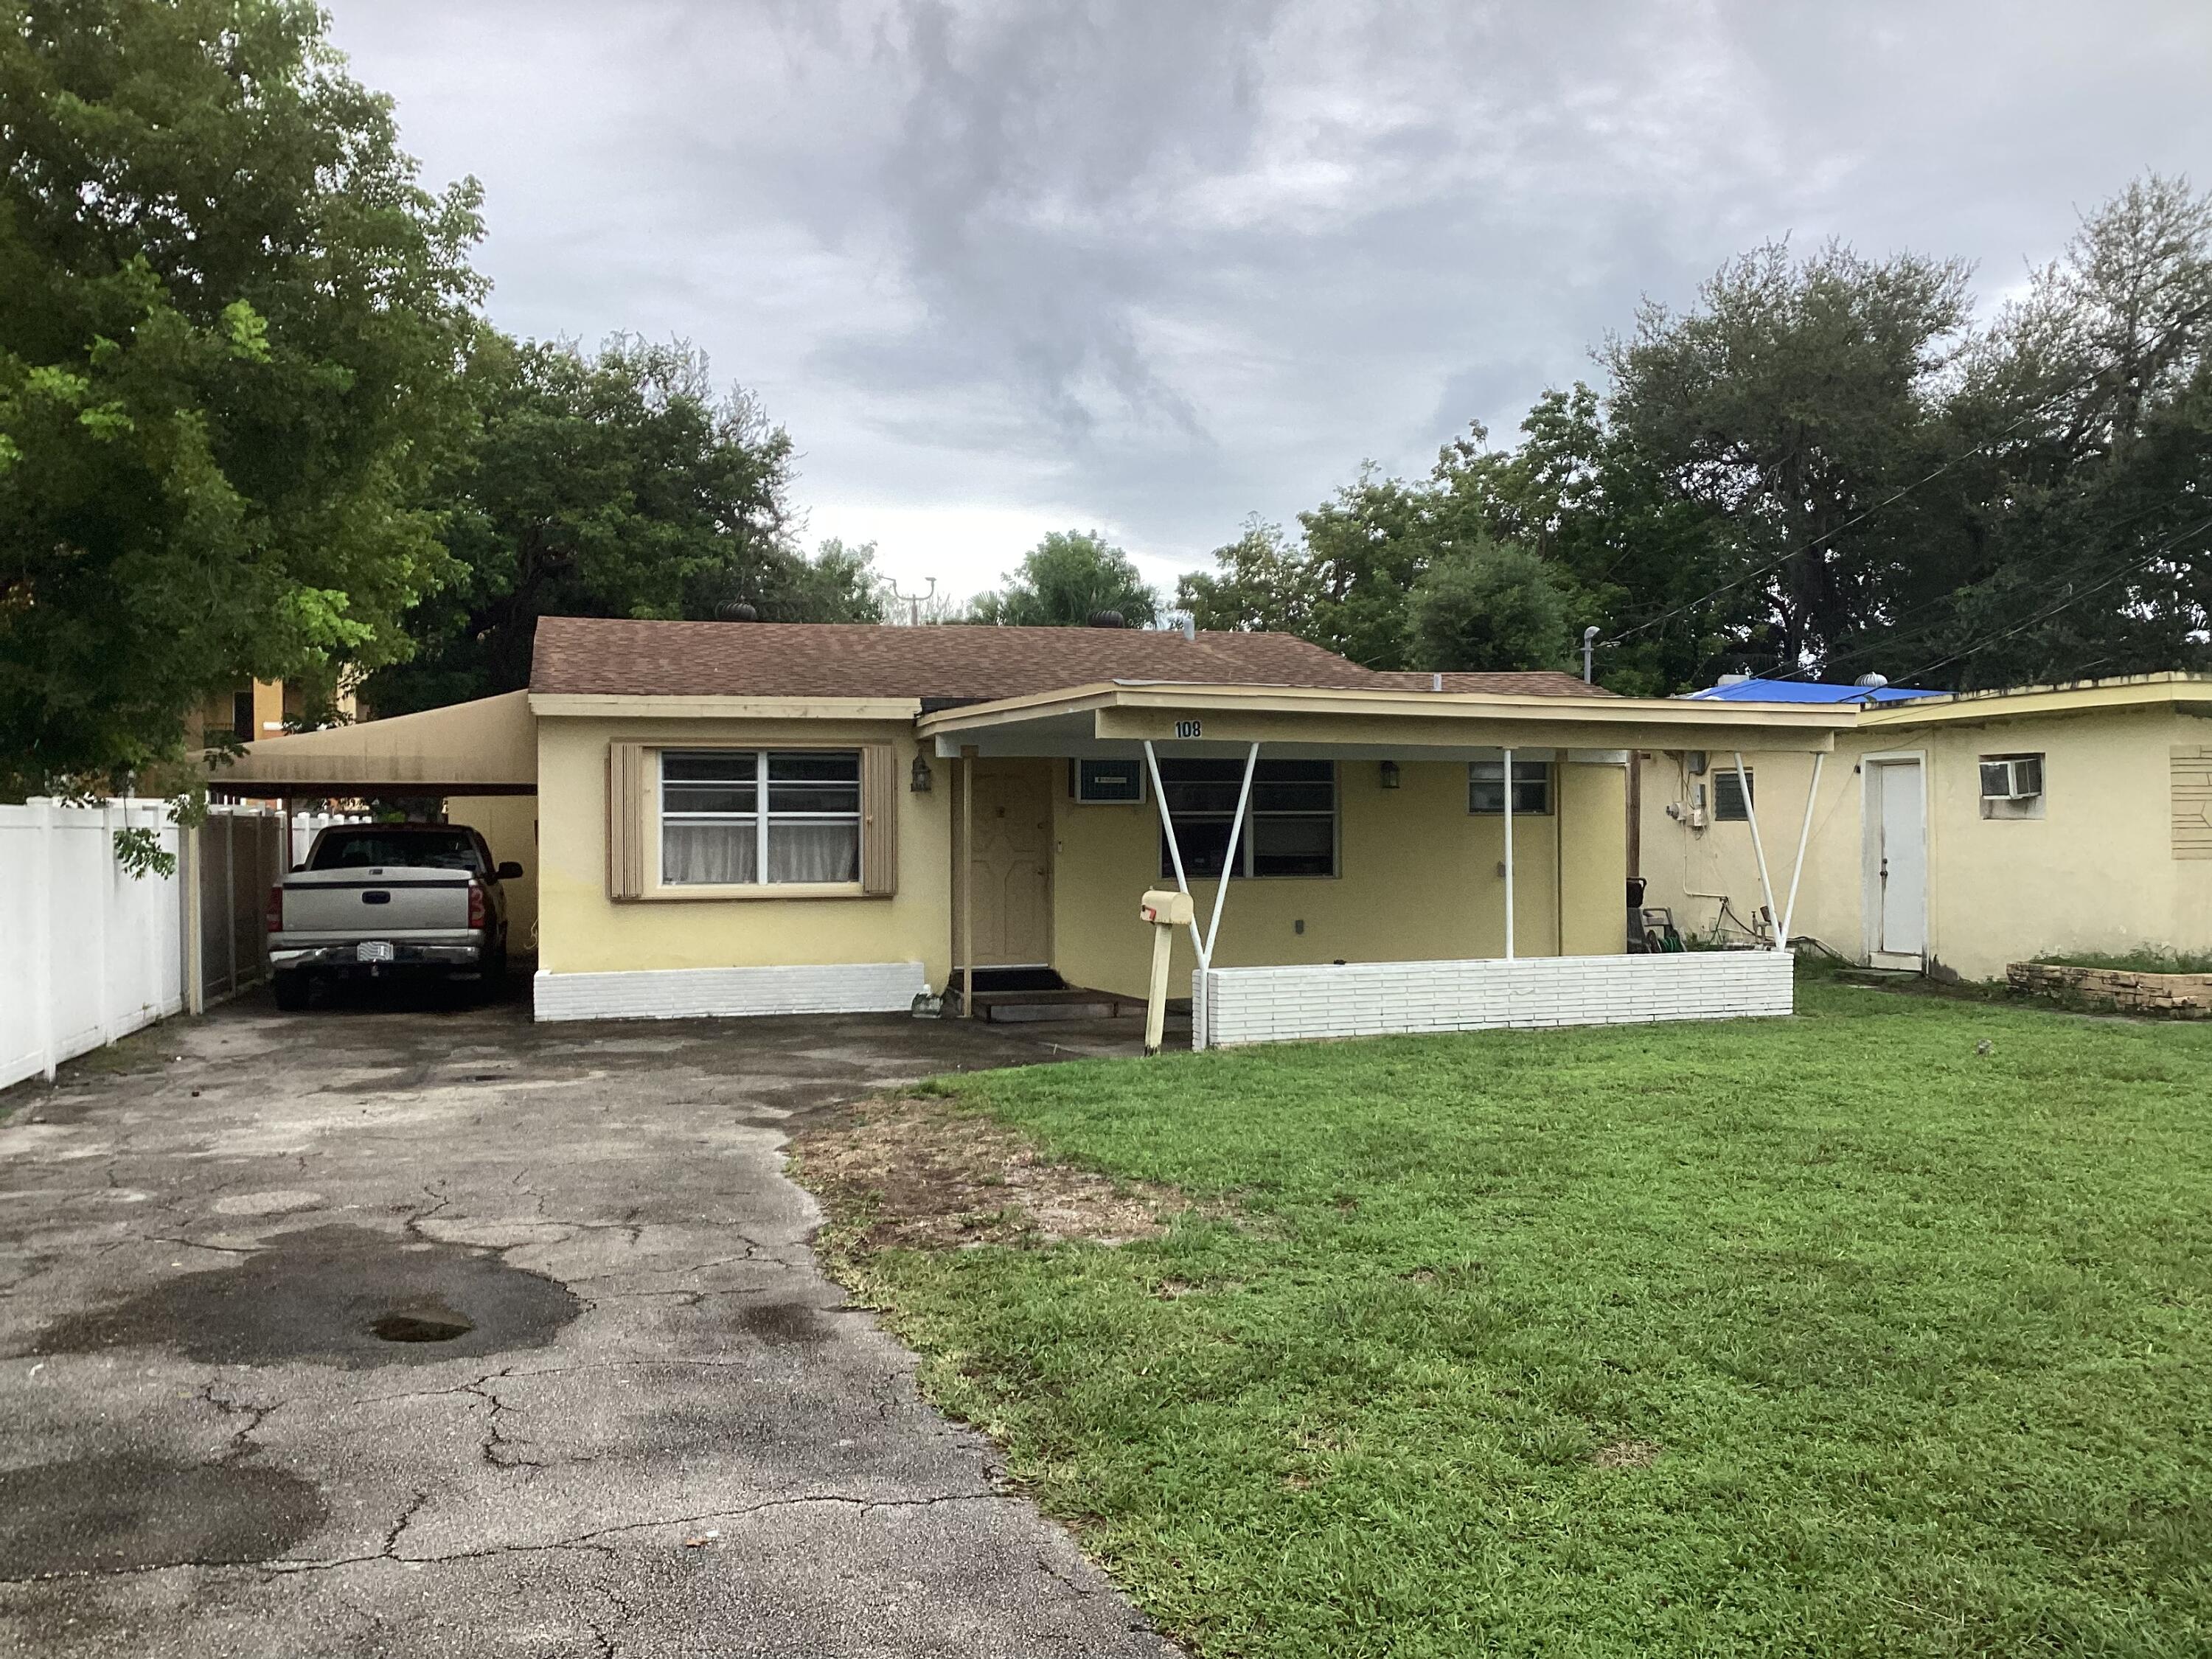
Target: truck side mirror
(509, 870)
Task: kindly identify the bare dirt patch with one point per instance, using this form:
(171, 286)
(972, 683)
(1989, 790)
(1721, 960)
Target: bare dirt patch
(1626, 1454)
(912, 1173)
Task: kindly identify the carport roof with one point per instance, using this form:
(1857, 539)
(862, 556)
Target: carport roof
(1106, 718)
(488, 747)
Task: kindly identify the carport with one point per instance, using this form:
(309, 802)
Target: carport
(479, 759)
(1575, 751)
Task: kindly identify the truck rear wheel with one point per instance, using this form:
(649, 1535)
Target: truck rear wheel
(293, 989)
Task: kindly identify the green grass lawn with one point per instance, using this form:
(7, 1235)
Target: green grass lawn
(1829, 1335)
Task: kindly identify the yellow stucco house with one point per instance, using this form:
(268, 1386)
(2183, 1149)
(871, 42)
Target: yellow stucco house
(751, 817)
(1956, 834)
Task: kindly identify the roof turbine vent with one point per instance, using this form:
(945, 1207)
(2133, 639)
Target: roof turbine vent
(1872, 681)
(1108, 619)
(738, 610)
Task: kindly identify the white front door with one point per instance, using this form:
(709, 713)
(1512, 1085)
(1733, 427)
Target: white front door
(1896, 863)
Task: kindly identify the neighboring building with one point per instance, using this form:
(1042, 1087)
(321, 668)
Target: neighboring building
(259, 709)
(738, 818)
(1956, 833)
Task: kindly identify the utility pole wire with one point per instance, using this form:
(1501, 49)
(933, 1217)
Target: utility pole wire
(2149, 558)
(1779, 559)
(1889, 644)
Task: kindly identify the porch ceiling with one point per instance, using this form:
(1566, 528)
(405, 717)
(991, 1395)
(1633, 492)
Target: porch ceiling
(1118, 720)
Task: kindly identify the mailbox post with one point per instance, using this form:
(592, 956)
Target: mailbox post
(1166, 911)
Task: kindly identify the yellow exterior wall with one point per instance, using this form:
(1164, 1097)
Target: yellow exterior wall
(581, 930)
(1419, 880)
(2095, 873)
(1594, 844)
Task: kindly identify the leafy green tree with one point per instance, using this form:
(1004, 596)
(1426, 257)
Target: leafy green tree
(2083, 550)
(1490, 607)
(1616, 539)
(1352, 579)
(228, 343)
(620, 483)
(1261, 583)
(1064, 580)
(1822, 467)
(1792, 402)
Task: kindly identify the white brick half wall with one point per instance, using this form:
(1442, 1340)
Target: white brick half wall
(1237, 1005)
(851, 988)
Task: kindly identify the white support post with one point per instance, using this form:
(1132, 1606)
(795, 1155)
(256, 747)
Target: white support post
(43, 899)
(1507, 774)
(103, 906)
(967, 881)
(1175, 850)
(1804, 836)
(1229, 859)
(1751, 817)
(196, 963)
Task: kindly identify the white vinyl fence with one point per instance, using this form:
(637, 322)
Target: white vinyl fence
(90, 953)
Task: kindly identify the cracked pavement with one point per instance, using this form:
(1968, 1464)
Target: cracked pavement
(629, 1416)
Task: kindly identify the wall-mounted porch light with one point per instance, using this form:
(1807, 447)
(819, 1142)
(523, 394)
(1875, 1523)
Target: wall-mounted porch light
(1389, 775)
(918, 780)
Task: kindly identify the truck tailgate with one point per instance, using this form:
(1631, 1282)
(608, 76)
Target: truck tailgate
(375, 904)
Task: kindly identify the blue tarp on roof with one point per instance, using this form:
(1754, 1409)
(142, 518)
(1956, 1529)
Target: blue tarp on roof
(1809, 691)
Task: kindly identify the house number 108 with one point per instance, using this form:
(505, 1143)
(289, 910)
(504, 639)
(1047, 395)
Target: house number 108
(1189, 728)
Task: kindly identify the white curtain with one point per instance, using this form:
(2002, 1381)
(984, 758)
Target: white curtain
(813, 852)
(720, 854)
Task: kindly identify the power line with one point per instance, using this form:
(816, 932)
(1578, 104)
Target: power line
(1781, 559)
(2045, 614)
(1887, 643)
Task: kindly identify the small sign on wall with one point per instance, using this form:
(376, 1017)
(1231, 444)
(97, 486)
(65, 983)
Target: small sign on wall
(1190, 728)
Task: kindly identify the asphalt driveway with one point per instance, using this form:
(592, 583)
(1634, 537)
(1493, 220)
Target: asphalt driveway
(412, 1330)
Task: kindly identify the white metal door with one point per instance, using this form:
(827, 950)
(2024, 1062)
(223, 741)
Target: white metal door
(1901, 859)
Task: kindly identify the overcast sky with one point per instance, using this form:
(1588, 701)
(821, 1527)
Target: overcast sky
(1152, 265)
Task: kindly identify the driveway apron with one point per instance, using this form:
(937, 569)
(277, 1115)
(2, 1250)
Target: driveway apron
(422, 1331)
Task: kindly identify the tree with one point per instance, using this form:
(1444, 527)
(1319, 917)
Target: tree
(615, 484)
(1066, 579)
(1791, 402)
(2085, 550)
(1262, 584)
(1615, 537)
(228, 370)
(1351, 579)
(1488, 607)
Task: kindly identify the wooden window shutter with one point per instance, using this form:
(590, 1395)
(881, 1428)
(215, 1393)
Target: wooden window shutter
(629, 816)
(879, 799)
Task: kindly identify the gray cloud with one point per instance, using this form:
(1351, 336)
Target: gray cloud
(1155, 265)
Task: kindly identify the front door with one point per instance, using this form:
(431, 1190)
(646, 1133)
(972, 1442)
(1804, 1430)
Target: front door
(1010, 864)
(1896, 858)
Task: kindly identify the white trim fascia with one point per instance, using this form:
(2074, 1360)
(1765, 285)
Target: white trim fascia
(840, 987)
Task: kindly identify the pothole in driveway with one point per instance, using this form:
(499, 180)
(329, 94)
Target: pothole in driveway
(420, 1325)
(336, 1295)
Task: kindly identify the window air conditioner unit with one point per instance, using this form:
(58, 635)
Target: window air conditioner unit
(2015, 777)
(1108, 783)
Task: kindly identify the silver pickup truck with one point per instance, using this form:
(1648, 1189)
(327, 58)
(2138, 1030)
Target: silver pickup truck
(375, 900)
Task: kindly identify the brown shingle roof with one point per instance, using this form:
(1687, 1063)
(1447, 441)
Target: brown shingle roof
(618, 657)
(1528, 683)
